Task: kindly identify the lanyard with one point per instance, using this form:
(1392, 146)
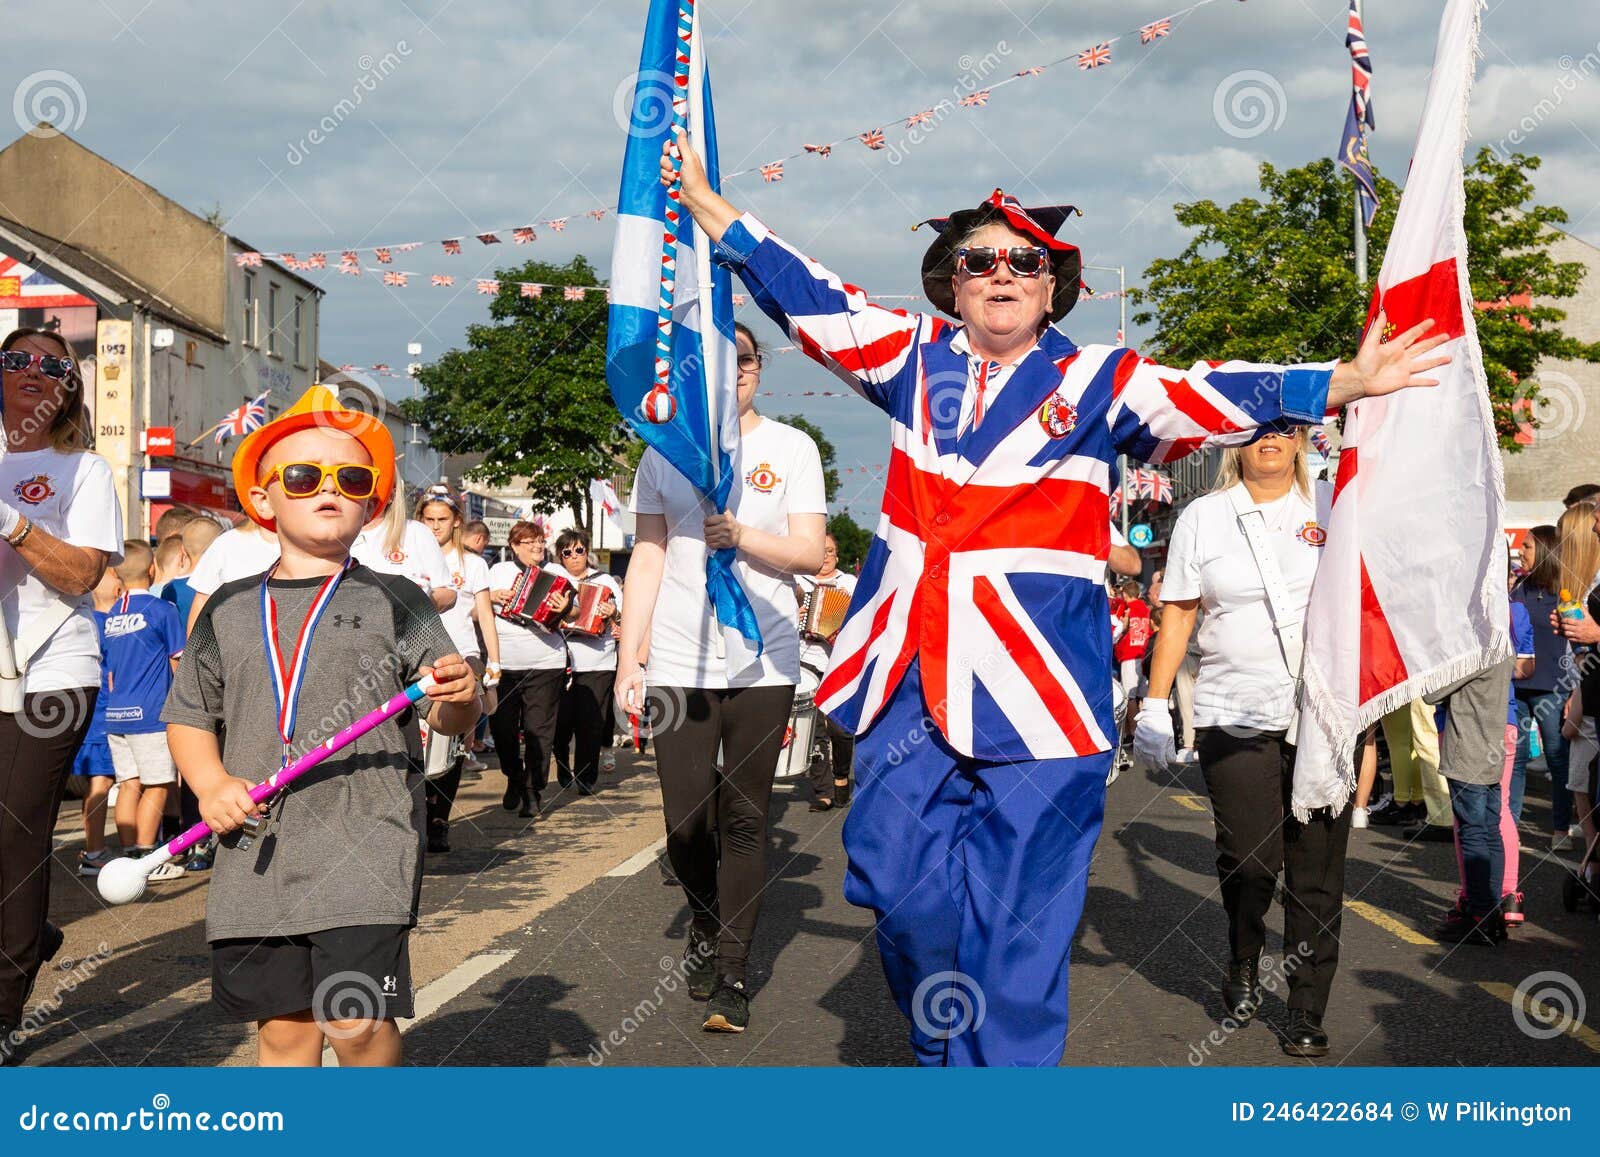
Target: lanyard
(287, 678)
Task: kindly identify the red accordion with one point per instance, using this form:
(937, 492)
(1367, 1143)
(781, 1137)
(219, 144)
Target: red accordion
(530, 592)
(587, 620)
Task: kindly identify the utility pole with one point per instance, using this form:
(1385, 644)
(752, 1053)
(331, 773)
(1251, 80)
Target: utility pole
(1122, 337)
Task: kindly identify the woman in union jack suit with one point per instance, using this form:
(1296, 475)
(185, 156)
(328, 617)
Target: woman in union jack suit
(974, 665)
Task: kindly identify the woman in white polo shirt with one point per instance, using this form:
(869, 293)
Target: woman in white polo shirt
(585, 723)
(716, 810)
(1245, 554)
(834, 752)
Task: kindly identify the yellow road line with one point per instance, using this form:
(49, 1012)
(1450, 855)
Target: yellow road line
(1577, 1030)
(1195, 803)
(1389, 924)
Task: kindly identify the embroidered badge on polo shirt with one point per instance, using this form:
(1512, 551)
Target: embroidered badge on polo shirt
(396, 556)
(1312, 534)
(35, 490)
(763, 478)
(1058, 416)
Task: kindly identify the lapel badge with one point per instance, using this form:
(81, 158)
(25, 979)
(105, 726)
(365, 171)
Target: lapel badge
(1058, 416)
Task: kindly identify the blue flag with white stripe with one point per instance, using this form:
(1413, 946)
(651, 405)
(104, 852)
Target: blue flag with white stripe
(673, 292)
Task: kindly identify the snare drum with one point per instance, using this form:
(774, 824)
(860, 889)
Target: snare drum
(795, 757)
(440, 751)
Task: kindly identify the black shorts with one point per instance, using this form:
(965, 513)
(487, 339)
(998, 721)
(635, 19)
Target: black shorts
(357, 973)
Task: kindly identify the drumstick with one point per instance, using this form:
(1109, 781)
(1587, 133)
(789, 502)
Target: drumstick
(123, 881)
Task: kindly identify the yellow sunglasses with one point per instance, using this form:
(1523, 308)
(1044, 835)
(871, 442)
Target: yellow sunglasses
(304, 479)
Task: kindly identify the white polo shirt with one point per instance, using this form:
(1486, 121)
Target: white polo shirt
(418, 556)
(1242, 680)
(238, 553)
(468, 574)
(777, 472)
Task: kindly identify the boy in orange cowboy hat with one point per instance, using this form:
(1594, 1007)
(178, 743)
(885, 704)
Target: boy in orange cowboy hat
(313, 897)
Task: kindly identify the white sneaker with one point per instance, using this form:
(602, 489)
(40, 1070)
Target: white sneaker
(608, 761)
(165, 872)
(473, 763)
(1358, 817)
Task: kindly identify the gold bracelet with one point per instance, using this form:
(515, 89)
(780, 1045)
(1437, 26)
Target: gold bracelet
(18, 537)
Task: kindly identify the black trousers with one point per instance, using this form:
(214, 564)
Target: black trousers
(585, 722)
(833, 755)
(717, 815)
(524, 724)
(440, 797)
(1250, 776)
(37, 747)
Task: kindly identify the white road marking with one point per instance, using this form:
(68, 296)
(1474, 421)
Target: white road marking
(639, 861)
(432, 997)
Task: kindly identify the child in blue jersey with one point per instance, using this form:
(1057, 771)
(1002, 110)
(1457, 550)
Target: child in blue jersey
(93, 760)
(143, 637)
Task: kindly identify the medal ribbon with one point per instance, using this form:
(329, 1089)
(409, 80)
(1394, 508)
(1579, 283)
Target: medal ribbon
(287, 678)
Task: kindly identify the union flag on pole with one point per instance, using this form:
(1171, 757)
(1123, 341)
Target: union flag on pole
(1410, 595)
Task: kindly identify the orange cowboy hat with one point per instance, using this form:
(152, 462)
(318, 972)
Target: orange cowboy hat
(317, 407)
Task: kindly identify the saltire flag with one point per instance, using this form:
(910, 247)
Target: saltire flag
(604, 497)
(1358, 117)
(1410, 595)
(648, 272)
(248, 416)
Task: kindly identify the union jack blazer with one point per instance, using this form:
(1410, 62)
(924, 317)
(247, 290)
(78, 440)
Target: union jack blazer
(989, 557)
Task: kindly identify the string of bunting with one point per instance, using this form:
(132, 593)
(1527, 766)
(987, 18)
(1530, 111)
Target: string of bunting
(349, 260)
(490, 287)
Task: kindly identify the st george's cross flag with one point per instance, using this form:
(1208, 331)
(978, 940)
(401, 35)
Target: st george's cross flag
(659, 257)
(1410, 596)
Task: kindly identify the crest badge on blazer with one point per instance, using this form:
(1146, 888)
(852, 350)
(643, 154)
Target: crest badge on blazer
(1058, 416)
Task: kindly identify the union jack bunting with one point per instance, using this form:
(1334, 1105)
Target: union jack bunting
(975, 99)
(597, 214)
(382, 367)
(408, 247)
(350, 267)
(1034, 71)
(241, 421)
(245, 260)
(1094, 57)
(383, 256)
(289, 260)
(489, 238)
(1161, 487)
(532, 290)
(453, 246)
(919, 118)
(442, 279)
(820, 150)
(523, 236)
(348, 257)
(988, 561)
(772, 172)
(1155, 30)
(398, 279)
(487, 286)
(873, 138)
(573, 293)
(317, 261)
(558, 224)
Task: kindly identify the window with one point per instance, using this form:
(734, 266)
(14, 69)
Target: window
(274, 346)
(247, 332)
(299, 331)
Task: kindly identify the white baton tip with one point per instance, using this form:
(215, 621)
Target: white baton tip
(122, 881)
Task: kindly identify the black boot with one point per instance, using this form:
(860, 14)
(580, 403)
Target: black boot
(1241, 991)
(531, 804)
(1304, 1036)
(438, 837)
(842, 792)
(512, 800)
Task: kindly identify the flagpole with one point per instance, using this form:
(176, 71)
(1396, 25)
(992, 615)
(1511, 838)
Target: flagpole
(1355, 182)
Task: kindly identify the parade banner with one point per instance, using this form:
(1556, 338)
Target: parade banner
(1410, 595)
(670, 355)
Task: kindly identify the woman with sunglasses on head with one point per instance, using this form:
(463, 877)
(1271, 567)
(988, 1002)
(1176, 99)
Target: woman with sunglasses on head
(586, 719)
(1246, 554)
(716, 806)
(62, 526)
(535, 671)
(468, 576)
(980, 604)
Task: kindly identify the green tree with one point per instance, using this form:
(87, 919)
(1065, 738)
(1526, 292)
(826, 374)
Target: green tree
(830, 473)
(851, 539)
(529, 392)
(1273, 279)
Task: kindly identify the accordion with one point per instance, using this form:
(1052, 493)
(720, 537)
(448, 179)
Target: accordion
(822, 610)
(587, 620)
(529, 592)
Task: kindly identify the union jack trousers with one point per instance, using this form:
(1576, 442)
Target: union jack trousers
(987, 564)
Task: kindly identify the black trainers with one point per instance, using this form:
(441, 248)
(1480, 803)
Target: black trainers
(512, 800)
(729, 1009)
(700, 969)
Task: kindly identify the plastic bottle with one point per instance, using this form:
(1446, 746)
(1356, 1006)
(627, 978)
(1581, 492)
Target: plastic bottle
(1571, 608)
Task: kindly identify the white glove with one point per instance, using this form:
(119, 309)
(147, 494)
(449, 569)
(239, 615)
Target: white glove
(1153, 741)
(10, 519)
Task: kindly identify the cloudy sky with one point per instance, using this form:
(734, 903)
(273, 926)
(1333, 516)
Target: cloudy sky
(493, 113)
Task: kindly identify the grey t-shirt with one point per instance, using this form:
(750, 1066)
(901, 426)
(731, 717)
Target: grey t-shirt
(343, 846)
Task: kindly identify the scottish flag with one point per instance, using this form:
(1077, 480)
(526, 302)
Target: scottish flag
(671, 320)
